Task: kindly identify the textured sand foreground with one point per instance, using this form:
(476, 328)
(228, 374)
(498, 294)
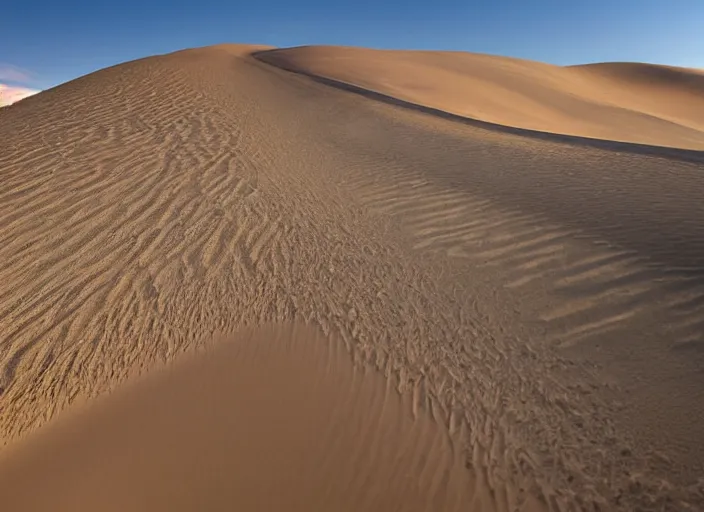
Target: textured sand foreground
(278, 419)
(540, 297)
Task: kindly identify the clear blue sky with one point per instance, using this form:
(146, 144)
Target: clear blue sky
(57, 41)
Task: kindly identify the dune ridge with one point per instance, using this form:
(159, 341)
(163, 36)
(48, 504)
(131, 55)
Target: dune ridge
(541, 299)
(630, 102)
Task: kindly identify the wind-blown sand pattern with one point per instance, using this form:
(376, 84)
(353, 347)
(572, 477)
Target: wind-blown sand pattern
(540, 295)
(273, 420)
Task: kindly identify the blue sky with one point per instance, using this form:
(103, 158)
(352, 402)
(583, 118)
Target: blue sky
(52, 42)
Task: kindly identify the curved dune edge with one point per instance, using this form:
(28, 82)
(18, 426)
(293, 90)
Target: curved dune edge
(634, 103)
(273, 419)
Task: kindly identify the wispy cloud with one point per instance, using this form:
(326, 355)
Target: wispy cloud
(11, 94)
(10, 73)
(17, 84)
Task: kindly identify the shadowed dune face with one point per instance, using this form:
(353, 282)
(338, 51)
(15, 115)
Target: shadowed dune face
(623, 102)
(274, 419)
(656, 77)
(670, 93)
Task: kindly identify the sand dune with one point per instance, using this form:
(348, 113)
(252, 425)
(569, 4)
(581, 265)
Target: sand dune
(541, 298)
(278, 419)
(641, 103)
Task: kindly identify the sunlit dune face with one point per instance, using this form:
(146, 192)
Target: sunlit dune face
(11, 94)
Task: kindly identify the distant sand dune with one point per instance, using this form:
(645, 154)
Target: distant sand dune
(539, 296)
(641, 103)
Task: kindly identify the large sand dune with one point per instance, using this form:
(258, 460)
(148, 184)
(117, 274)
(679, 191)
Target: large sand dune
(541, 297)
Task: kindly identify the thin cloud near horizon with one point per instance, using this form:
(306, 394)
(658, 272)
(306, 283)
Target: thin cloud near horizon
(12, 94)
(10, 73)
(15, 84)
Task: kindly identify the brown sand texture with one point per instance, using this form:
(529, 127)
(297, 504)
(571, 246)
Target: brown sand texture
(504, 258)
(273, 419)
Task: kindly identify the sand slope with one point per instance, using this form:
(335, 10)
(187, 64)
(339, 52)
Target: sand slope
(541, 298)
(278, 419)
(642, 103)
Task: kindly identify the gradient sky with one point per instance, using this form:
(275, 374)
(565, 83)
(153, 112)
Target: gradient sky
(51, 42)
